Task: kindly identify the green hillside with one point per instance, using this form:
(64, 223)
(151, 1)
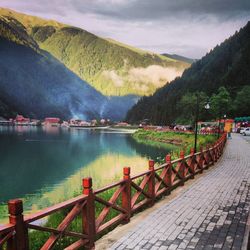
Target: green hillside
(223, 77)
(109, 66)
(36, 84)
(180, 58)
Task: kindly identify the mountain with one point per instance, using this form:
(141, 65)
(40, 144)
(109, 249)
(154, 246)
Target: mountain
(112, 68)
(180, 58)
(36, 84)
(227, 65)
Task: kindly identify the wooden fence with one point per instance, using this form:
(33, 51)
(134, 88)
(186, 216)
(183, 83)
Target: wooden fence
(128, 196)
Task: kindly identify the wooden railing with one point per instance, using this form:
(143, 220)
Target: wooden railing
(127, 197)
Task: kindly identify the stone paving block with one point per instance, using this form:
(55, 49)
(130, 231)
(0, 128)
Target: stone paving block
(183, 245)
(163, 248)
(172, 247)
(210, 214)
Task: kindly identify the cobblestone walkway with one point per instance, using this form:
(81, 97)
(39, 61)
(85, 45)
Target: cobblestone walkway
(210, 214)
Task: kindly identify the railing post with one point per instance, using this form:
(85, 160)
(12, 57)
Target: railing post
(214, 153)
(192, 151)
(88, 214)
(217, 151)
(182, 168)
(21, 238)
(151, 181)
(126, 193)
(192, 162)
(169, 179)
(207, 156)
(201, 159)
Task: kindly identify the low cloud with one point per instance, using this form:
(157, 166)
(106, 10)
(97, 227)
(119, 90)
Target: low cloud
(143, 78)
(155, 74)
(141, 87)
(113, 77)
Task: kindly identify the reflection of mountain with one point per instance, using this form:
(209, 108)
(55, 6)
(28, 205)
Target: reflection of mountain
(146, 150)
(105, 169)
(35, 159)
(46, 167)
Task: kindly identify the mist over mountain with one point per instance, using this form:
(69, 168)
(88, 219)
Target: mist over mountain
(36, 84)
(227, 65)
(49, 68)
(111, 67)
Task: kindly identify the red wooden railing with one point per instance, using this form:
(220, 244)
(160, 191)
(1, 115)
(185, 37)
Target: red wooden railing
(128, 196)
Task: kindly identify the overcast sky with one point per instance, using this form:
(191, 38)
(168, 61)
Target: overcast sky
(186, 27)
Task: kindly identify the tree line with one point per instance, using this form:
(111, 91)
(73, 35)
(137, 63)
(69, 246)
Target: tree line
(221, 77)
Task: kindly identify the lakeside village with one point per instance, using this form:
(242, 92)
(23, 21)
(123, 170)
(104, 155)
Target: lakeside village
(20, 120)
(229, 125)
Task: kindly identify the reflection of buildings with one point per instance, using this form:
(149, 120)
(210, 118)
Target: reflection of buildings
(51, 129)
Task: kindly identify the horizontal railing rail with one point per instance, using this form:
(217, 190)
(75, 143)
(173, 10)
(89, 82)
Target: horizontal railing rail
(124, 198)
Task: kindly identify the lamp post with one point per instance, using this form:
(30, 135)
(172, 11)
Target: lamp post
(218, 134)
(225, 116)
(207, 107)
(196, 121)
(220, 118)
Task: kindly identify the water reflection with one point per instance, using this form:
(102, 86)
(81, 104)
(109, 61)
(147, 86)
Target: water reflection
(45, 165)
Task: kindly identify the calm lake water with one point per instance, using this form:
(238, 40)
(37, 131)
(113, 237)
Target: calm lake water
(44, 166)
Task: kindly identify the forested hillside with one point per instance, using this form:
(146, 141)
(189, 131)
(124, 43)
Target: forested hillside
(181, 58)
(227, 66)
(35, 84)
(110, 67)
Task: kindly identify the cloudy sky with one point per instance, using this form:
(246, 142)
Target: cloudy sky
(186, 27)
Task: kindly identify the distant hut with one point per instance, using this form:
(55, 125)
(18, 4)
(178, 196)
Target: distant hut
(53, 121)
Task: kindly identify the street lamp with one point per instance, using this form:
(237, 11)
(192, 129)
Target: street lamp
(207, 107)
(225, 116)
(220, 118)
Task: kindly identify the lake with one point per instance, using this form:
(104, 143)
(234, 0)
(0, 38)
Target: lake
(44, 166)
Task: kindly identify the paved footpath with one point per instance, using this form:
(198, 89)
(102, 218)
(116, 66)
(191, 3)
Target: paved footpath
(211, 214)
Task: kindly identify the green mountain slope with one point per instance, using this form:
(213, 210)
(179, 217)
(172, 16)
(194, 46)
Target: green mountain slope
(180, 58)
(109, 66)
(36, 84)
(226, 65)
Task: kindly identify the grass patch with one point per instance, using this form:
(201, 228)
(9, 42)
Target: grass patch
(177, 140)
